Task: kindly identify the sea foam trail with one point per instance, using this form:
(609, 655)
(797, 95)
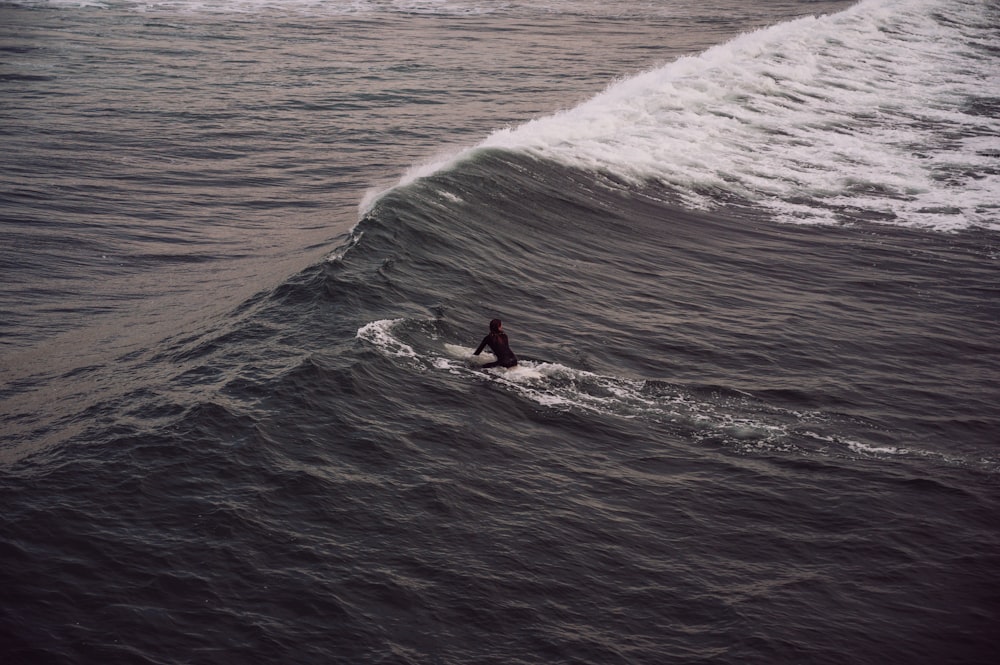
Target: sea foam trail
(739, 420)
(872, 113)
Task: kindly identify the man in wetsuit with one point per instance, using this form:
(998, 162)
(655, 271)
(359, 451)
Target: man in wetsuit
(497, 341)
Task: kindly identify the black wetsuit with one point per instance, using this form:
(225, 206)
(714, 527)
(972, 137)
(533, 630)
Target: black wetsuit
(497, 341)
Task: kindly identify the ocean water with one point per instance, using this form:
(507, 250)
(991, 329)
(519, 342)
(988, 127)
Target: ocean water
(748, 253)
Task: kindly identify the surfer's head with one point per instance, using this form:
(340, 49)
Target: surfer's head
(495, 325)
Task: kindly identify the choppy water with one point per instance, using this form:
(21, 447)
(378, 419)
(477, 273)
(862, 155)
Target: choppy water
(748, 256)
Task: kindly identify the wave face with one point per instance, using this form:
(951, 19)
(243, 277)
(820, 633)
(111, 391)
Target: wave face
(887, 111)
(587, 258)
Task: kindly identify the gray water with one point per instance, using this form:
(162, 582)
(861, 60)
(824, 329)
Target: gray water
(241, 421)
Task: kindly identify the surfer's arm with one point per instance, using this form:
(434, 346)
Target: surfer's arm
(482, 345)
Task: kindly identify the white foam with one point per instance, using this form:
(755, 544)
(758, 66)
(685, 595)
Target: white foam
(818, 119)
(380, 334)
(741, 421)
(553, 385)
(866, 449)
(811, 117)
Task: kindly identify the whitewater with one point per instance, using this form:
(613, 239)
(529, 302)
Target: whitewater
(791, 118)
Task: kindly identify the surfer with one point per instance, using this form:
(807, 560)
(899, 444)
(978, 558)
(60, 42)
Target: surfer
(497, 341)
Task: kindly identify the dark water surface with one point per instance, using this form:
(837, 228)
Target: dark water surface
(755, 418)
